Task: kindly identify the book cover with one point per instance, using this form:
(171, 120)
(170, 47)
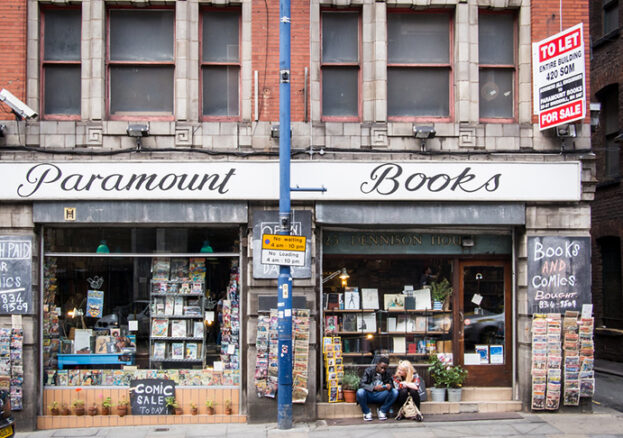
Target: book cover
(177, 350)
(197, 269)
(351, 298)
(179, 269)
(160, 268)
(330, 324)
(168, 305)
(178, 305)
(95, 303)
(349, 322)
(159, 350)
(198, 329)
(159, 327)
(400, 344)
(191, 350)
(178, 328)
(370, 298)
(394, 302)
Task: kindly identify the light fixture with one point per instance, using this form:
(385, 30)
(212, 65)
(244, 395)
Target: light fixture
(341, 272)
(102, 248)
(138, 131)
(206, 247)
(467, 241)
(566, 131)
(275, 131)
(210, 317)
(595, 110)
(423, 133)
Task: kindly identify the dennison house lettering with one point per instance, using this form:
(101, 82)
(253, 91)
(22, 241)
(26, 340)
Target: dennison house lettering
(41, 174)
(388, 178)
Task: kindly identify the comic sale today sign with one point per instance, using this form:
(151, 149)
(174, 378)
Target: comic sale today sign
(558, 73)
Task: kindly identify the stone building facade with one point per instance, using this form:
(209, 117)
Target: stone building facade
(351, 113)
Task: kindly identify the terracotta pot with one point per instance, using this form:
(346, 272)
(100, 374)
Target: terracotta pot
(194, 411)
(211, 411)
(65, 410)
(54, 411)
(79, 410)
(178, 411)
(92, 410)
(105, 410)
(227, 411)
(350, 396)
(122, 410)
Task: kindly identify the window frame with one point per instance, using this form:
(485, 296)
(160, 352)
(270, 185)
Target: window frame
(609, 98)
(143, 115)
(351, 65)
(43, 63)
(202, 64)
(449, 66)
(606, 6)
(502, 67)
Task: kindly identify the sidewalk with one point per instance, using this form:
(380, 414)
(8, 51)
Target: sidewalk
(601, 423)
(609, 367)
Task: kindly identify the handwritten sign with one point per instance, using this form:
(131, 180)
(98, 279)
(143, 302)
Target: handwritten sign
(148, 396)
(16, 275)
(559, 273)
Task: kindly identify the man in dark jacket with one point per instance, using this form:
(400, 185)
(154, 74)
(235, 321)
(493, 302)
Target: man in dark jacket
(376, 387)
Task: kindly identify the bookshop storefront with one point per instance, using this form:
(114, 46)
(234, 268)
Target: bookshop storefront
(414, 288)
(140, 291)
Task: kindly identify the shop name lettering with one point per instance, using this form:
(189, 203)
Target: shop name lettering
(390, 177)
(44, 174)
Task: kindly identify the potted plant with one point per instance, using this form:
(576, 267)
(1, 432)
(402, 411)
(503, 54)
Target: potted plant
(65, 409)
(440, 292)
(122, 407)
(172, 406)
(78, 406)
(456, 375)
(54, 409)
(106, 406)
(350, 385)
(228, 409)
(193, 409)
(210, 404)
(439, 374)
(92, 410)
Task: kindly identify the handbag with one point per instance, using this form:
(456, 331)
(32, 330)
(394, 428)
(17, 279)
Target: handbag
(408, 410)
(421, 387)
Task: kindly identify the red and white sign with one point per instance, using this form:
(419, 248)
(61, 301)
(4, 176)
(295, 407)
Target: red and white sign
(558, 73)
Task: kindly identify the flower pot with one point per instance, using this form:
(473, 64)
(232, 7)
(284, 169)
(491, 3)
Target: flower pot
(437, 305)
(122, 410)
(454, 394)
(79, 410)
(65, 410)
(438, 394)
(92, 410)
(105, 410)
(194, 411)
(210, 411)
(54, 411)
(350, 396)
(178, 411)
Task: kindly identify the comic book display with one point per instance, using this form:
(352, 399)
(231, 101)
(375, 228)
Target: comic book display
(334, 367)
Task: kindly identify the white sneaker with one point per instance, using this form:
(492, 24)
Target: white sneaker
(382, 415)
(367, 417)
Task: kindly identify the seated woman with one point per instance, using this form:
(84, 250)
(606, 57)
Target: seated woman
(407, 382)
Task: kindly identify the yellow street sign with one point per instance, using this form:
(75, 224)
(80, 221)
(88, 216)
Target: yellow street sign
(284, 243)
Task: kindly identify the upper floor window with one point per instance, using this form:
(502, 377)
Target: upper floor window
(418, 65)
(60, 65)
(609, 98)
(220, 63)
(141, 63)
(610, 15)
(496, 52)
(340, 64)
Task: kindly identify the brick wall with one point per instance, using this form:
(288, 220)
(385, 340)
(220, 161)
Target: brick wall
(12, 50)
(266, 56)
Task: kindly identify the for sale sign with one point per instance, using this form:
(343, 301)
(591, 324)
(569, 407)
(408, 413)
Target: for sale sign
(558, 72)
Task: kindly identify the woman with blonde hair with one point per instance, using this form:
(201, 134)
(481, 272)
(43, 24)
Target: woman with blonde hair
(407, 382)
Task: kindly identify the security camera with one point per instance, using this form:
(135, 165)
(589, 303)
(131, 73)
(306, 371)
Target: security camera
(20, 109)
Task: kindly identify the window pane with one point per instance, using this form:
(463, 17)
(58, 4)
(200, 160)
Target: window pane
(496, 93)
(613, 158)
(141, 35)
(495, 39)
(610, 109)
(418, 38)
(339, 91)
(611, 17)
(62, 89)
(220, 91)
(418, 92)
(220, 37)
(62, 35)
(340, 37)
(141, 89)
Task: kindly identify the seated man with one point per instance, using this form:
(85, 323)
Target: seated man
(376, 386)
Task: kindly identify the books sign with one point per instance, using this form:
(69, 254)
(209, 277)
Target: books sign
(558, 71)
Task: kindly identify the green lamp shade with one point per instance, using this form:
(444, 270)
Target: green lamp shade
(206, 247)
(102, 248)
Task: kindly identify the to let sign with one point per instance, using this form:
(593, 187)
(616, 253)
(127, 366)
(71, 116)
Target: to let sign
(558, 70)
(283, 250)
(559, 273)
(148, 396)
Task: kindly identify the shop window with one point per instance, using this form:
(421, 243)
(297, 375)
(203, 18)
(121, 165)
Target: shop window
(220, 63)
(610, 15)
(609, 98)
(141, 62)
(612, 294)
(60, 64)
(340, 64)
(164, 305)
(496, 51)
(418, 65)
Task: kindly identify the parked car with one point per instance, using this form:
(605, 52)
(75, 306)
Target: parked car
(7, 423)
(138, 310)
(484, 327)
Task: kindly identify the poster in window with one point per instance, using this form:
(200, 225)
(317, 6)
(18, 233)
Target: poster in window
(496, 353)
(370, 298)
(95, 303)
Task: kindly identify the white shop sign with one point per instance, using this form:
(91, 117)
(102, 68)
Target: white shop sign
(558, 72)
(259, 180)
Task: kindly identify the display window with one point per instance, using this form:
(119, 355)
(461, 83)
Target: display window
(133, 303)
